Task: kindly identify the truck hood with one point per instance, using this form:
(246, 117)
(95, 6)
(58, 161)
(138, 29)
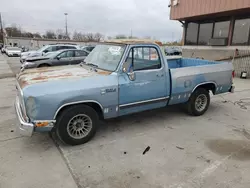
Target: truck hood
(47, 74)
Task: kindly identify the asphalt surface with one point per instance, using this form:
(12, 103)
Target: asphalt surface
(162, 148)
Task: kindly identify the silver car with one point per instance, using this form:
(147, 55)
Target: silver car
(61, 57)
(45, 49)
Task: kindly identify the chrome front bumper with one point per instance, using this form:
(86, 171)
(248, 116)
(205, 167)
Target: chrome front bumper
(25, 129)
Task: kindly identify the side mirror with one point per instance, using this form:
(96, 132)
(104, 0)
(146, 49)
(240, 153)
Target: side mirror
(58, 57)
(128, 69)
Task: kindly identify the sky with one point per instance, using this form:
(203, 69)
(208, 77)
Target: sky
(109, 17)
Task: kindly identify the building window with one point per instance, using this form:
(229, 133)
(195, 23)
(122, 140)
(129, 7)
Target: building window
(241, 32)
(192, 33)
(221, 29)
(205, 33)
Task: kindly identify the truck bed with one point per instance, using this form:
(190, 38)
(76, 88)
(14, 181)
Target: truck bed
(188, 62)
(186, 74)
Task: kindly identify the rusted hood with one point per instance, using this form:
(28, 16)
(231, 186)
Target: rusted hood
(33, 76)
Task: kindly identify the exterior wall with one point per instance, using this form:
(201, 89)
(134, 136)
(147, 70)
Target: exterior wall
(191, 8)
(37, 43)
(240, 62)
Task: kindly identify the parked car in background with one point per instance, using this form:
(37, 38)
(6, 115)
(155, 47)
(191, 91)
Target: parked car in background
(173, 50)
(1, 46)
(88, 48)
(45, 49)
(61, 57)
(3, 50)
(24, 49)
(13, 51)
(112, 82)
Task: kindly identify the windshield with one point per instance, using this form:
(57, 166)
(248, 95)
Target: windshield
(42, 49)
(13, 48)
(106, 56)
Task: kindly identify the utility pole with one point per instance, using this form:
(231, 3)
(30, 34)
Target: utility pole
(1, 28)
(131, 33)
(66, 24)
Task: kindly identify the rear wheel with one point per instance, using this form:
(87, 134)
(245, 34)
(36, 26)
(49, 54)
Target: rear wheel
(198, 102)
(77, 124)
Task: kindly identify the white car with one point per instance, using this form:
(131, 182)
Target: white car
(4, 48)
(13, 51)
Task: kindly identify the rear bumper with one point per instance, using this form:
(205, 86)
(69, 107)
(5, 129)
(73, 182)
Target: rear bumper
(25, 128)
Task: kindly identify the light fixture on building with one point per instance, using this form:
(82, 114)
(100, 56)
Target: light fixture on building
(173, 3)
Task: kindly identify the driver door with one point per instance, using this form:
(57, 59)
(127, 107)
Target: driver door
(148, 89)
(64, 58)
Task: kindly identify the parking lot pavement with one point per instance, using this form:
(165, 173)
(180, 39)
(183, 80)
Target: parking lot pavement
(162, 148)
(14, 64)
(208, 151)
(27, 162)
(5, 71)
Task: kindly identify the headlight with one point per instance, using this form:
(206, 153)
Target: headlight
(28, 65)
(31, 107)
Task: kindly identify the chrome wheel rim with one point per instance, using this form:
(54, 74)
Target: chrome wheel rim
(201, 102)
(79, 126)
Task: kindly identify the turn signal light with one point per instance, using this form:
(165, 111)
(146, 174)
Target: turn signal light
(42, 124)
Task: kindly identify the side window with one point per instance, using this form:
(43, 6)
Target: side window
(54, 48)
(144, 58)
(61, 47)
(71, 53)
(67, 54)
(80, 53)
(70, 47)
(50, 49)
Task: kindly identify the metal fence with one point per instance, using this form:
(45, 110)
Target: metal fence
(241, 62)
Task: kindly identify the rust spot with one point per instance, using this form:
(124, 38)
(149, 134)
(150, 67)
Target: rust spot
(53, 76)
(103, 72)
(23, 83)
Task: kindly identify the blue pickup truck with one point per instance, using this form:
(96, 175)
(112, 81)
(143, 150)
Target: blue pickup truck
(118, 78)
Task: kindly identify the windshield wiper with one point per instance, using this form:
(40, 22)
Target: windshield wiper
(91, 64)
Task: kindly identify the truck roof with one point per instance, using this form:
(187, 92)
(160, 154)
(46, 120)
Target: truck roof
(134, 41)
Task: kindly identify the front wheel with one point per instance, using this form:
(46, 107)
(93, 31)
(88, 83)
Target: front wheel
(77, 124)
(198, 102)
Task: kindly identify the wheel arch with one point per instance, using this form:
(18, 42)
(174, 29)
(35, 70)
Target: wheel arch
(44, 64)
(207, 85)
(93, 104)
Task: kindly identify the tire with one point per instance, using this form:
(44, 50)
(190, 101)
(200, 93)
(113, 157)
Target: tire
(198, 102)
(66, 130)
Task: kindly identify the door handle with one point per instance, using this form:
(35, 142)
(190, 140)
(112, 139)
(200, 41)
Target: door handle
(159, 75)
